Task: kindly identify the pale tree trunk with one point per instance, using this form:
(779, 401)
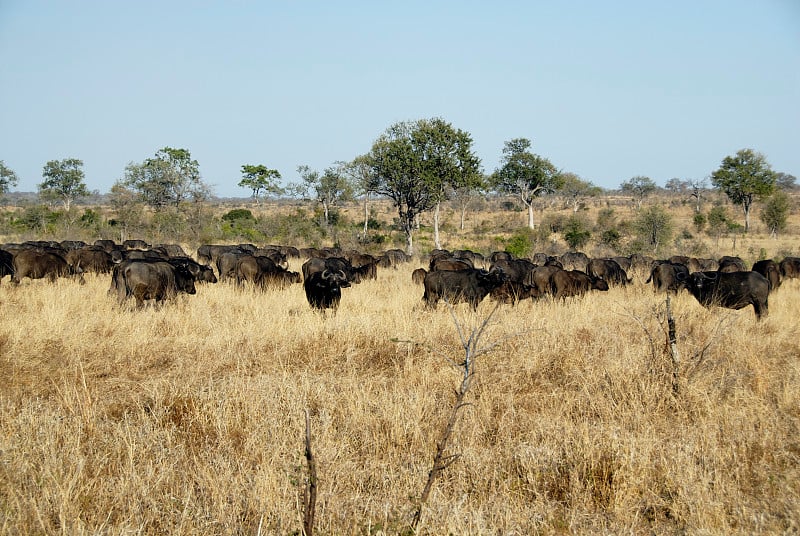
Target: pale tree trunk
(530, 215)
(436, 242)
(746, 207)
(463, 214)
(366, 215)
(325, 211)
(409, 242)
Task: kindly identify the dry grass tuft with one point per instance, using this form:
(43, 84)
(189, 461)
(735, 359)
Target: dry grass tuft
(190, 418)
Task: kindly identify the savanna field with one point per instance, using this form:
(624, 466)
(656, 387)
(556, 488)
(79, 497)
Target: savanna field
(190, 418)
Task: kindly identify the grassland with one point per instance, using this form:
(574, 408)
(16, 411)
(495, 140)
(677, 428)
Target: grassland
(189, 419)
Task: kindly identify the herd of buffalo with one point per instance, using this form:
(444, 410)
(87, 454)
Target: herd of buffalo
(146, 272)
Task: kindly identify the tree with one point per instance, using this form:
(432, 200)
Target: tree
(328, 189)
(448, 162)
(360, 174)
(676, 185)
(8, 177)
(744, 178)
(260, 178)
(654, 225)
(413, 162)
(698, 188)
(464, 193)
(785, 182)
(776, 212)
(525, 175)
(639, 187)
(575, 190)
(63, 181)
(170, 178)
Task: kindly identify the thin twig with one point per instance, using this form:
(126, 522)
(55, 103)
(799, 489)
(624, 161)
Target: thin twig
(311, 489)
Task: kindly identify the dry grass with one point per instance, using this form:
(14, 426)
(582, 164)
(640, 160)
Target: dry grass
(189, 419)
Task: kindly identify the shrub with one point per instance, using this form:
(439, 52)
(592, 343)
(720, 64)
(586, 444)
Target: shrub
(521, 244)
(576, 232)
(238, 214)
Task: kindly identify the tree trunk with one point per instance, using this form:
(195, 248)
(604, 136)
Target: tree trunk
(463, 214)
(325, 212)
(409, 242)
(746, 206)
(436, 242)
(530, 215)
(366, 214)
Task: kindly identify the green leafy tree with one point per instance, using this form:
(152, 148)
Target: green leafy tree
(744, 178)
(639, 187)
(8, 177)
(414, 162)
(776, 212)
(525, 175)
(259, 178)
(63, 180)
(329, 189)
(576, 190)
(654, 226)
(170, 178)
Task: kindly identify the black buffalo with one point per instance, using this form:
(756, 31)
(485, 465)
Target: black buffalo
(790, 267)
(324, 289)
(6, 264)
(263, 272)
(150, 280)
(510, 292)
(668, 276)
(418, 276)
(567, 283)
(202, 273)
(729, 264)
(608, 270)
(90, 259)
(37, 263)
(469, 286)
(769, 269)
(733, 290)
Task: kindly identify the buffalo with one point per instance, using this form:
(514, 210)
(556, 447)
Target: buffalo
(566, 283)
(790, 267)
(324, 289)
(668, 276)
(150, 280)
(418, 276)
(518, 270)
(574, 260)
(540, 278)
(263, 272)
(469, 286)
(510, 292)
(769, 269)
(37, 263)
(729, 264)
(608, 270)
(733, 290)
(90, 259)
(6, 264)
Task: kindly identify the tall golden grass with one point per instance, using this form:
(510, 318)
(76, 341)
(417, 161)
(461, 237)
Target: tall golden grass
(189, 418)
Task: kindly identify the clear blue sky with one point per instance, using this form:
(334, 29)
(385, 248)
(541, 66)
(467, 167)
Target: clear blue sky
(605, 89)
